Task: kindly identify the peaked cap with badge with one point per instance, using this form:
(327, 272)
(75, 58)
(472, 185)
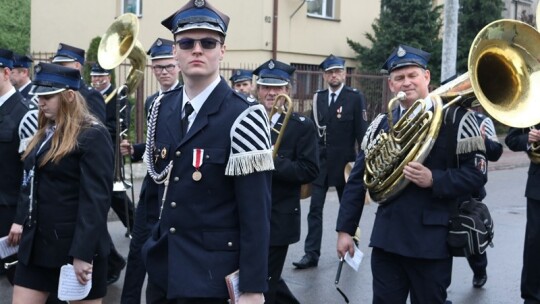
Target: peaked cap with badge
(274, 73)
(97, 70)
(22, 61)
(197, 14)
(68, 53)
(332, 62)
(53, 78)
(161, 49)
(240, 75)
(405, 55)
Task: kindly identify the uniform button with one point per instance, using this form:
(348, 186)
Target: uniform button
(295, 209)
(176, 178)
(207, 156)
(229, 244)
(172, 230)
(178, 153)
(173, 205)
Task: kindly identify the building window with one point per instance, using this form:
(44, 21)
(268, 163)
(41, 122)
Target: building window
(132, 6)
(321, 8)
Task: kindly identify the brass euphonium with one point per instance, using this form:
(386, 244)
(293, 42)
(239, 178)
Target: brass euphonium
(503, 75)
(118, 44)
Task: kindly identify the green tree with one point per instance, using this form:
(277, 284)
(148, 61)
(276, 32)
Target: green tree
(471, 22)
(416, 23)
(15, 25)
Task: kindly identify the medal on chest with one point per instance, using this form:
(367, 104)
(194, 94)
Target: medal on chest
(338, 111)
(197, 162)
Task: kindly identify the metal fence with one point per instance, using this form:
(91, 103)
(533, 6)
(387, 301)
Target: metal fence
(304, 85)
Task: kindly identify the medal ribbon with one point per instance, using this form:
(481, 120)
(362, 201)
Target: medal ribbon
(197, 158)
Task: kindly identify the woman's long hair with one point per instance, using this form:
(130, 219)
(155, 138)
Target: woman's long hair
(72, 117)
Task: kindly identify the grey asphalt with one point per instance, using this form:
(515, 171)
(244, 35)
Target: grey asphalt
(505, 199)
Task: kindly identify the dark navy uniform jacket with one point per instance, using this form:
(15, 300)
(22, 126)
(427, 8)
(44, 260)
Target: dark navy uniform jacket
(24, 92)
(296, 163)
(517, 140)
(94, 101)
(341, 133)
(71, 200)
(415, 222)
(211, 227)
(494, 148)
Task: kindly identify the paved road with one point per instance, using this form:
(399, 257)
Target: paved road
(507, 204)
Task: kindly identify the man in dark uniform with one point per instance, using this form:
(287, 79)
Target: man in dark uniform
(166, 71)
(339, 113)
(73, 57)
(296, 163)
(20, 75)
(410, 255)
(101, 81)
(528, 140)
(242, 82)
(18, 123)
(209, 150)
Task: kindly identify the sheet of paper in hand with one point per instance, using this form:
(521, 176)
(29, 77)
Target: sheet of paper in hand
(69, 288)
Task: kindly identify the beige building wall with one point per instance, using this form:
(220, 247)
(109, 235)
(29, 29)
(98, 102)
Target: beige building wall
(300, 38)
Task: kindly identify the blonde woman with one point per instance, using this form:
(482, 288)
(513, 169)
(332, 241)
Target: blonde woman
(65, 193)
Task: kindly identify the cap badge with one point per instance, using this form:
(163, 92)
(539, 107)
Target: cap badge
(238, 73)
(37, 69)
(271, 65)
(401, 52)
(159, 42)
(198, 3)
(59, 47)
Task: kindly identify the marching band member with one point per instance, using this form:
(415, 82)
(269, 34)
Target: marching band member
(65, 193)
(208, 148)
(296, 163)
(242, 82)
(410, 255)
(339, 113)
(20, 75)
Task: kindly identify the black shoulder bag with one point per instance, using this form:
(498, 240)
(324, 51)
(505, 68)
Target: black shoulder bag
(470, 226)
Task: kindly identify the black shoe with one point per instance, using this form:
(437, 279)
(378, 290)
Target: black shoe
(306, 262)
(115, 268)
(479, 280)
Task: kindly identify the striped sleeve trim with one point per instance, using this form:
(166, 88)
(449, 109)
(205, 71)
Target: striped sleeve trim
(469, 138)
(250, 143)
(27, 128)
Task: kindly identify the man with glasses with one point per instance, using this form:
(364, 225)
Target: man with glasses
(166, 71)
(339, 113)
(208, 149)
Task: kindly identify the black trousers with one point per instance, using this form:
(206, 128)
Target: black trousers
(530, 280)
(146, 215)
(312, 245)
(156, 295)
(278, 291)
(395, 276)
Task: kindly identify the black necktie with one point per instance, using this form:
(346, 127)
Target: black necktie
(333, 98)
(188, 109)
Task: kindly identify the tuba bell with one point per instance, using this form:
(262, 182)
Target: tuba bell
(118, 44)
(503, 74)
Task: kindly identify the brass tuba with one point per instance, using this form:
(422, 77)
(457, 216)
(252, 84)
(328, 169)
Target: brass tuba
(503, 75)
(118, 44)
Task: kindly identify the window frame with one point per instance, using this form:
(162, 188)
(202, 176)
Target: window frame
(323, 14)
(138, 7)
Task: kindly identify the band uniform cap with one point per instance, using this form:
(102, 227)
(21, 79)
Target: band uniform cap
(68, 53)
(274, 73)
(52, 78)
(6, 58)
(405, 55)
(161, 49)
(197, 14)
(22, 61)
(241, 75)
(332, 62)
(97, 70)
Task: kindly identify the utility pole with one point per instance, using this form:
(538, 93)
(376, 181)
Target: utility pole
(449, 45)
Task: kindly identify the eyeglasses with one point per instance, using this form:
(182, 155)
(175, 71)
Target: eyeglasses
(159, 68)
(206, 43)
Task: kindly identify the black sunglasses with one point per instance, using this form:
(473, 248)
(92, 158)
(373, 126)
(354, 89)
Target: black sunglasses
(159, 68)
(189, 43)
